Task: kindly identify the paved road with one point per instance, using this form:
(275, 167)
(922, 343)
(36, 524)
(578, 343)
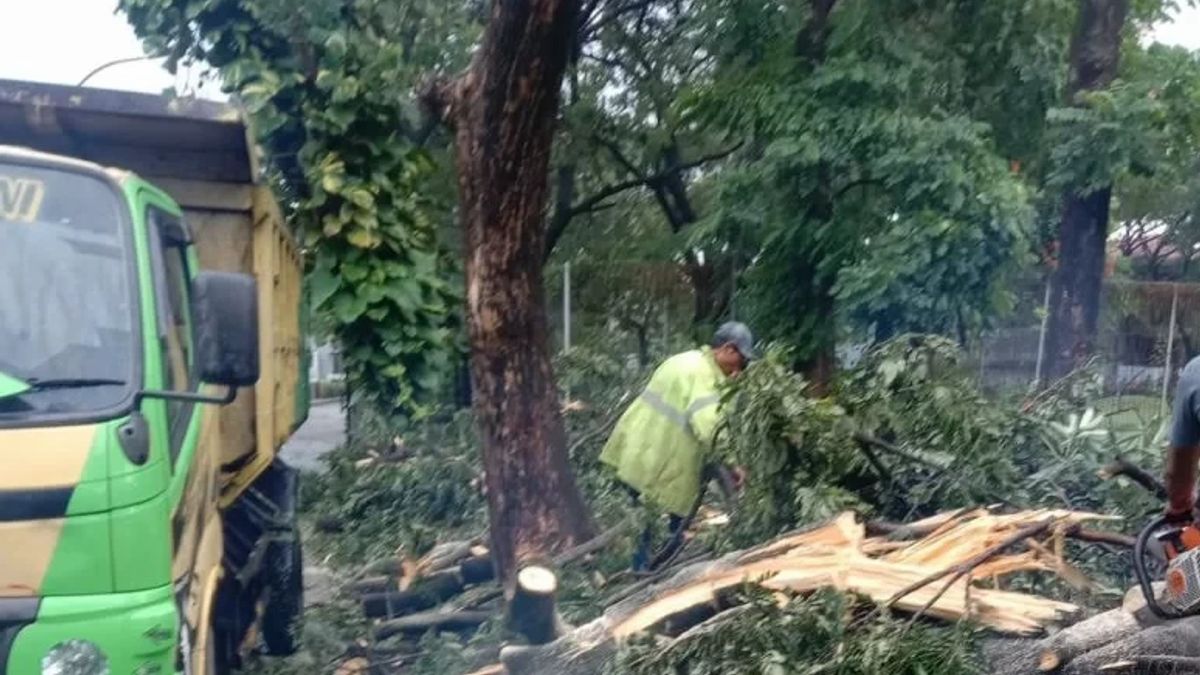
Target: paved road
(324, 430)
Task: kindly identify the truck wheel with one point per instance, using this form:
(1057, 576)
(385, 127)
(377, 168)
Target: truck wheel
(283, 575)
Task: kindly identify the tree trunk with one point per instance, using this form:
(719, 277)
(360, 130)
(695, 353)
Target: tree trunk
(1083, 228)
(504, 112)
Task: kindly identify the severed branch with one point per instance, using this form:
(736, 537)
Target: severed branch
(420, 623)
(892, 449)
(1123, 467)
(1100, 537)
(1151, 665)
(957, 572)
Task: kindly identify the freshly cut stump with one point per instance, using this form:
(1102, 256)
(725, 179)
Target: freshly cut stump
(532, 612)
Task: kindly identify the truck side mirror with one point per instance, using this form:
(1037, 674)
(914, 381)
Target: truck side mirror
(225, 312)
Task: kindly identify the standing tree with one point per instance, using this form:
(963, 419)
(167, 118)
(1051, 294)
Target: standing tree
(869, 186)
(503, 110)
(1083, 228)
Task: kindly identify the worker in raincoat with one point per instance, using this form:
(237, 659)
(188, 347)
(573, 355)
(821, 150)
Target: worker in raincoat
(663, 441)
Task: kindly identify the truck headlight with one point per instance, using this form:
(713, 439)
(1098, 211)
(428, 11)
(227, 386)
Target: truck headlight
(75, 657)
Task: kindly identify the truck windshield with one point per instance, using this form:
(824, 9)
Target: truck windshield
(66, 306)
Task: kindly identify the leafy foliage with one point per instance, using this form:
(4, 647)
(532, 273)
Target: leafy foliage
(325, 84)
(807, 635)
(431, 496)
(869, 181)
(907, 433)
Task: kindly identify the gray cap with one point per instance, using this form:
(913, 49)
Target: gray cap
(739, 335)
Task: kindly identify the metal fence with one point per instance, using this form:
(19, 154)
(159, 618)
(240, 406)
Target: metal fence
(1148, 331)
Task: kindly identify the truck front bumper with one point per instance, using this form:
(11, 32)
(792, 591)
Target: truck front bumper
(135, 632)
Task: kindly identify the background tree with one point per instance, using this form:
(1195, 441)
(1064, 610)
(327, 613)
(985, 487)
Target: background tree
(1083, 229)
(871, 185)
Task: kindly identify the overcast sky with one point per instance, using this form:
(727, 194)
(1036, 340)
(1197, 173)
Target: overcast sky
(62, 40)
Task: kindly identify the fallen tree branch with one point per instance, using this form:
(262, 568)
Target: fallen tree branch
(425, 621)
(957, 572)
(1123, 467)
(1152, 665)
(592, 545)
(1100, 537)
(1099, 630)
(893, 449)
(429, 591)
(377, 584)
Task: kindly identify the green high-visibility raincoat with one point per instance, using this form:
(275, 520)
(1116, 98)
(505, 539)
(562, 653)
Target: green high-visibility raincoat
(661, 443)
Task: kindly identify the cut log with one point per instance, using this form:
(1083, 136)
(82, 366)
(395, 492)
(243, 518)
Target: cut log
(430, 591)
(444, 556)
(476, 570)
(1177, 638)
(379, 584)
(417, 624)
(392, 566)
(353, 666)
(494, 669)
(1155, 665)
(1085, 636)
(532, 611)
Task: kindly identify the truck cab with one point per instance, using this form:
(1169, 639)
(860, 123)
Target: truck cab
(150, 361)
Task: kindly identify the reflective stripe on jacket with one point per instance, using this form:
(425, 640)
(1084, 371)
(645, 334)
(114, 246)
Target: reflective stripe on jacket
(660, 445)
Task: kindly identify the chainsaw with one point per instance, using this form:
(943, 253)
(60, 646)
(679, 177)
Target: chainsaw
(1178, 546)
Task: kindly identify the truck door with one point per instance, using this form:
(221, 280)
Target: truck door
(193, 481)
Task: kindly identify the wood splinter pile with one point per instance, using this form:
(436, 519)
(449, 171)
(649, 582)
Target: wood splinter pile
(945, 567)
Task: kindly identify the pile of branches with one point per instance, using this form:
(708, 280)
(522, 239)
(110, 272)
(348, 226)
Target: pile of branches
(878, 596)
(949, 567)
(906, 433)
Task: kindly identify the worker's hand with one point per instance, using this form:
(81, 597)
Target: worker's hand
(1180, 513)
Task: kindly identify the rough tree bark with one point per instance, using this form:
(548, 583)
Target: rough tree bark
(1083, 227)
(503, 111)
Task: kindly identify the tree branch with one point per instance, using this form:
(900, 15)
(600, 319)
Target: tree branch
(956, 572)
(595, 202)
(1123, 467)
(854, 184)
(437, 97)
(616, 13)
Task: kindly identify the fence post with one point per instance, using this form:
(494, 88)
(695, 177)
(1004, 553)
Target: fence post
(566, 307)
(1166, 380)
(1041, 352)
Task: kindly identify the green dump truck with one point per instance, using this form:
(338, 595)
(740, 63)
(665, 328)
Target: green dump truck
(151, 366)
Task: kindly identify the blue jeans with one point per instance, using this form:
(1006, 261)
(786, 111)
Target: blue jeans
(644, 554)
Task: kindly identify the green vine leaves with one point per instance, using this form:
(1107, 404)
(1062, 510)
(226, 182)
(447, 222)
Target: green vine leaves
(325, 85)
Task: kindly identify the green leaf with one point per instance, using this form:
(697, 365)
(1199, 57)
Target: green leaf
(363, 238)
(333, 182)
(348, 307)
(323, 284)
(361, 197)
